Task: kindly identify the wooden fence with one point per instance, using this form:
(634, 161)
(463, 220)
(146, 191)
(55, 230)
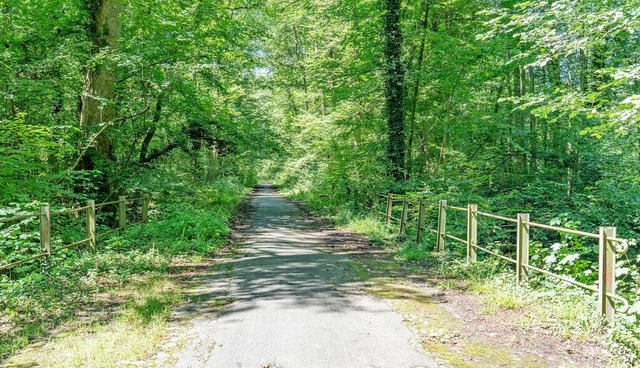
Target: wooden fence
(92, 237)
(609, 246)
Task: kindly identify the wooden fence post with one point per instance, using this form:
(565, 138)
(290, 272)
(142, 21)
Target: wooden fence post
(389, 208)
(472, 232)
(606, 272)
(45, 230)
(442, 224)
(403, 217)
(122, 214)
(420, 222)
(145, 208)
(91, 223)
(522, 249)
(45, 238)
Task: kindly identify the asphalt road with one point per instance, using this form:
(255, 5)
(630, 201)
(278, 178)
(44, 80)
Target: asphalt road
(291, 305)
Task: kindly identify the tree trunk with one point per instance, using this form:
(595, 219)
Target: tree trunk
(144, 149)
(394, 89)
(416, 86)
(533, 127)
(213, 168)
(100, 81)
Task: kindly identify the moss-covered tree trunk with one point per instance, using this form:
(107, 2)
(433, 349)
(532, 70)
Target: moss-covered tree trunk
(100, 80)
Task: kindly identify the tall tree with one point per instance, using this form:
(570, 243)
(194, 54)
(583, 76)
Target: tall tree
(416, 85)
(394, 88)
(100, 81)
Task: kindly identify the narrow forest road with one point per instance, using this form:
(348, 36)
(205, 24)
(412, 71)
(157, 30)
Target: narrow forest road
(284, 302)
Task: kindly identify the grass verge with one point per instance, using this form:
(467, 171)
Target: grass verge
(110, 308)
(132, 333)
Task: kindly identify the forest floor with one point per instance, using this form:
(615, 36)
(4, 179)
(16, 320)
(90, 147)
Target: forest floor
(297, 292)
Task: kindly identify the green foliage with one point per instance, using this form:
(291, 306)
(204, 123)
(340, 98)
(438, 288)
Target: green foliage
(196, 223)
(189, 223)
(517, 106)
(414, 252)
(604, 32)
(37, 302)
(551, 305)
(372, 228)
(135, 325)
(457, 268)
(571, 255)
(624, 341)
(185, 97)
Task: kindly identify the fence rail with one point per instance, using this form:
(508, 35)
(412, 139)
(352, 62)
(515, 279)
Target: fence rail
(20, 217)
(609, 246)
(90, 226)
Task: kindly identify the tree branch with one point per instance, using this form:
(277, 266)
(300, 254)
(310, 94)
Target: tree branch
(102, 130)
(156, 154)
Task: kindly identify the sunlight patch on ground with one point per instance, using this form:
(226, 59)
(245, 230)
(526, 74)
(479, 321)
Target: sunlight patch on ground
(126, 340)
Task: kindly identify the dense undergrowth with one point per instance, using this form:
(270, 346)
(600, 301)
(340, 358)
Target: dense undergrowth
(550, 304)
(125, 288)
